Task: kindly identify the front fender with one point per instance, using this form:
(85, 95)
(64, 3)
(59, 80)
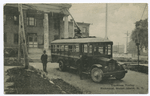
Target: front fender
(97, 65)
(124, 65)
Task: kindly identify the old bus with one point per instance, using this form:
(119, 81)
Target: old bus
(97, 54)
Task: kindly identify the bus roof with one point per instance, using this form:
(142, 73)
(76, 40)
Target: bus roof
(81, 40)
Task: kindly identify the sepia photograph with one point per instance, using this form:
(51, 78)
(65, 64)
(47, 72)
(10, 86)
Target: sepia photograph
(75, 48)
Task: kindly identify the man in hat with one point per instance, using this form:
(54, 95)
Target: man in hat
(44, 60)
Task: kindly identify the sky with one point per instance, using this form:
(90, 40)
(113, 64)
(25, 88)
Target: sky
(121, 17)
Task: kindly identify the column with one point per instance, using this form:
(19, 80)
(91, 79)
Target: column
(72, 28)
(46, 34)
(66, 26)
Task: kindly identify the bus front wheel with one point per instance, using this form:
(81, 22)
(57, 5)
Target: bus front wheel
(96, 74)
(61, 65)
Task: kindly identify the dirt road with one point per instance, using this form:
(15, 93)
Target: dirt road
(133, 83)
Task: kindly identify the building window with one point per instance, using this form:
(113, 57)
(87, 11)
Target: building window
(5, 37)
(4, 19)
(84, 29)
(16, 20)
(16, 38)
(31, 21)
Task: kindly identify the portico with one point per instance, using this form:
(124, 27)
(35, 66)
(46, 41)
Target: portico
(43, 23)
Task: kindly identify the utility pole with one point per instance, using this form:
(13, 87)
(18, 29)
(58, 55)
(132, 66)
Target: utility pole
(127, 41)
(22, 36)
(138, 52)
(106, 24)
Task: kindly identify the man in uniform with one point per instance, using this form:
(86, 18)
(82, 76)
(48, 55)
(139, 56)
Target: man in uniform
(44, 60)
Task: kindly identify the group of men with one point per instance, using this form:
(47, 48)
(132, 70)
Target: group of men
(44, 62)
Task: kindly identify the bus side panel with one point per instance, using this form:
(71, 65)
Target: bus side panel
(54, 58)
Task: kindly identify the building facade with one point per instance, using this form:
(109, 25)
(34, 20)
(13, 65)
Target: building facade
(43, 23)
(84, 27)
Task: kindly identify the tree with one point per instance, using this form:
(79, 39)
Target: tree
(132, 48)
(140, 33)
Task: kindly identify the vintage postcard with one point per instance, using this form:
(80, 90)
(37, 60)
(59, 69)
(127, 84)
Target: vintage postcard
(75, 48)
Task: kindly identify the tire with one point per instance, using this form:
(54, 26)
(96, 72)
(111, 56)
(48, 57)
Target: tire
(119, 76)
(96, 74)
(62, 66)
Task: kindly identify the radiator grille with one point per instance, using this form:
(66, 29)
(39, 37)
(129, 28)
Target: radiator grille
(111, 66)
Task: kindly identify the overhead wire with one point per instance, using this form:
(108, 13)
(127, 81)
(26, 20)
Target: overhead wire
(143, 11)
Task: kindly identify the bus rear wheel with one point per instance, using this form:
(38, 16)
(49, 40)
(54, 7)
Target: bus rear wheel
(62, 66)
(96, 74)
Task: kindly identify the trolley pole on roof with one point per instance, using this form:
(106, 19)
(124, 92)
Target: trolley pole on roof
(106, 24)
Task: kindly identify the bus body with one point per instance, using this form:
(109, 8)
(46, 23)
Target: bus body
(97, 53)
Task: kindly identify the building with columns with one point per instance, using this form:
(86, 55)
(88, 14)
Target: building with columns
(43, 23)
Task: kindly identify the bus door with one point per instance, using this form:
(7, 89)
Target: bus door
(84, 51)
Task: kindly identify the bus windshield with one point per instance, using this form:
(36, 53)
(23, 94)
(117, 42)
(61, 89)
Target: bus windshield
(101, 49)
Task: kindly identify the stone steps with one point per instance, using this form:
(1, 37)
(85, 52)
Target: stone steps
(35, 54)
(35, 50)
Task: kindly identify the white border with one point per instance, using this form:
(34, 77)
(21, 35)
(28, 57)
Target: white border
(57, 1)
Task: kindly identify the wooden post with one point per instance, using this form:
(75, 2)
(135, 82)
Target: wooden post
(23, 38)
(19, 46)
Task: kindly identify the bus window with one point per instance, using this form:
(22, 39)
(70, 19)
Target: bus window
(76, 48)
(62, 48)
(70, 48)
(95, 49)
(66, 47)
(85, 48)
(106, 49)
(100, 49)
(109, 49)
(66, 50)
(90, 49)
(58, 49)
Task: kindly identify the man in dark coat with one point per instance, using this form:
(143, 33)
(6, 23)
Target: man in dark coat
(44, 60)
(80, 70)
(81, 66)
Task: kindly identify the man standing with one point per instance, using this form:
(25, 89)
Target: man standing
(81, 66)
(44, 60)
